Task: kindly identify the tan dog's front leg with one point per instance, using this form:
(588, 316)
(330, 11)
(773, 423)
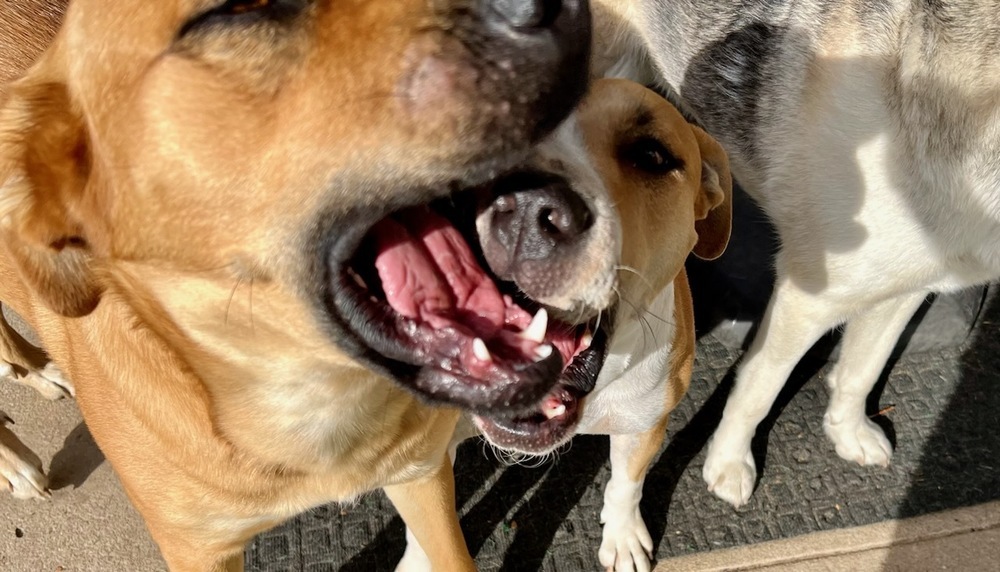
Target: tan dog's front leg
(428, 508)
(23, 363)
(183, 553)
(20, 468)
(626, 545)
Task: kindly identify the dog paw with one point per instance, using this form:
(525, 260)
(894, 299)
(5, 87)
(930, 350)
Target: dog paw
(626, 545)
(730, 477)
(859, 440)
(20, 468)
(50, 382)
(414, 558)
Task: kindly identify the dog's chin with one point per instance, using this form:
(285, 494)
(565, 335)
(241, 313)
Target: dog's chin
(410, 295)
(554, 420)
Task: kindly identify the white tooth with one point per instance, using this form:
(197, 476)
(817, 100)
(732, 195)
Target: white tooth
(542, 352)
(357, 280)
(586, 340)
(553, 412)
(537, 328)
(480, 350)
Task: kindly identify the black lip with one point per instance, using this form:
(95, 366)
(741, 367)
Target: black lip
(366, 331)
(533, 434)
(370, 332)
(580, 377)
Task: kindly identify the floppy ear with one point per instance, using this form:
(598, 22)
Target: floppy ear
(714, 205)
(44, 166)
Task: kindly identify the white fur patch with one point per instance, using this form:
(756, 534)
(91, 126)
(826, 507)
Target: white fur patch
(631, 393)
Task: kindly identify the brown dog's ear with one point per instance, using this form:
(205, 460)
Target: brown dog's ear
(714, 205)
(44, 166)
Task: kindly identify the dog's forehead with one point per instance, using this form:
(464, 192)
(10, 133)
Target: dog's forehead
(618, 109)
(565, 153)
(639, 112)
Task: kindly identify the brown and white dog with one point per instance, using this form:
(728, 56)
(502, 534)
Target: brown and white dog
(228, 222)
(659, 188)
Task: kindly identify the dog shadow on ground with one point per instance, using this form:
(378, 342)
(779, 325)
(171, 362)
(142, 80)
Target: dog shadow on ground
(958, 447)
(958, 467)
(76, 461)
(529, 503)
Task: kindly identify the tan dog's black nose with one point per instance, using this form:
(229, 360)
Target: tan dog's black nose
(524, 14)
(534, 229)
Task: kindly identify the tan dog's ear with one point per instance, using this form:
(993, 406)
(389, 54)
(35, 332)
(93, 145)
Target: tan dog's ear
(44, 166)
(713, 207)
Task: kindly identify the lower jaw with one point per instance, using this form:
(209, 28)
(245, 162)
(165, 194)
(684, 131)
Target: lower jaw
(509, 440)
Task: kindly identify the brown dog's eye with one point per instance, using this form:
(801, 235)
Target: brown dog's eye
(244, 12)
(247, 6)
(648, 155)
(237, 7)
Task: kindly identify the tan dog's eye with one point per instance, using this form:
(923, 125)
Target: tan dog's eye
(244, 12)
(648, 155)
(250, 6)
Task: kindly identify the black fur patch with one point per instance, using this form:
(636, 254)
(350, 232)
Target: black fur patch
(723, 84)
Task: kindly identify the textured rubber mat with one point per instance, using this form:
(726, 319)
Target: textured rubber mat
(940, 408)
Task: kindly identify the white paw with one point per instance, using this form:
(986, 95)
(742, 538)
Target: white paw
(411, 564)
(625, 543)
(414, 558)
(20, 468)
(50, 382)
(859, 440)
(730, 475)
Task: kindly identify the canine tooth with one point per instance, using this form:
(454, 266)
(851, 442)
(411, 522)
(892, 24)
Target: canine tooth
(480, 350)
(553, 412)
(535, 331)
(586, 340)
(542, 352)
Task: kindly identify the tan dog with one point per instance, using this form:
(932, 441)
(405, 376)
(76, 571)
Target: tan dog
(660, 188)
(220, 218)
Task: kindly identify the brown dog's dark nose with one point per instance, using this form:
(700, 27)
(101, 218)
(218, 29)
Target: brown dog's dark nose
(539, 224)
(524, 14)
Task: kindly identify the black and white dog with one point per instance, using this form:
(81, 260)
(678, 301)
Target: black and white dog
(869, 130)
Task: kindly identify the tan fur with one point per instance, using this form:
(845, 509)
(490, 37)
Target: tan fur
(678, 381)
(26, 27)
(648, 226)
(155, 196)
(661, 217)
(663, 220)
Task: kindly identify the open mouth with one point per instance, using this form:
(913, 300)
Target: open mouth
(553, 420)
(420, 301)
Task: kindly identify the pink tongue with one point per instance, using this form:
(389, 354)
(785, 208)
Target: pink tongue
(429, 274)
